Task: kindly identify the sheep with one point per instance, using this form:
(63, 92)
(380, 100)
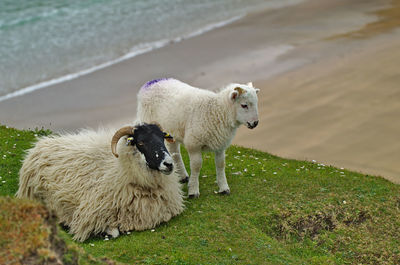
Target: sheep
(93, 192)
(200, 119)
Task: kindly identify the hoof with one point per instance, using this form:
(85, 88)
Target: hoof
(114, 232)
(193, 196)
(184, 180)
(224, 192)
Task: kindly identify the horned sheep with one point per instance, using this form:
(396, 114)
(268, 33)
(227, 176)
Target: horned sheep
(92, 192)
(200, 119)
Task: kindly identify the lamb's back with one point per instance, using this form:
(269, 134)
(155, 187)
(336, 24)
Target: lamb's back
(171, 103)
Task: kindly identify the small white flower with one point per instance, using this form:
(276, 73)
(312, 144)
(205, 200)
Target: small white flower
(106, 239)
(91, 244)
(341, 168)
(204, 176)
(264, 180)
(238, 152)
(128, 233)
(253, 175)
(35, 135)
(313, 161)
(344, 202)
(275, 173)
(245, 170)
(3, 181)
(152, 230)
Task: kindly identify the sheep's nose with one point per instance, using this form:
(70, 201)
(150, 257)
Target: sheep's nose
(252, 125)
(170, 166)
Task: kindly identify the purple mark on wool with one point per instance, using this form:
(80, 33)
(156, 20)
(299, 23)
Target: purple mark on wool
(152, 82)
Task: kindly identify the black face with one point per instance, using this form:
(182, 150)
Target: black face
(149, 140)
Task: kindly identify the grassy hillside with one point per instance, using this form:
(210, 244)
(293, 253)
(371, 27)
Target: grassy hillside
(28, 232)
(279, 212)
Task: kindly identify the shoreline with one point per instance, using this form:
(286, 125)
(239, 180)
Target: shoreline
(136, 50)
(307, 102)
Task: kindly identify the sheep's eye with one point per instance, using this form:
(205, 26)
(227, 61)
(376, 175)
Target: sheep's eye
(244, 106)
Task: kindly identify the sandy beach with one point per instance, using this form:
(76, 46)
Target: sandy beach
(329, 74)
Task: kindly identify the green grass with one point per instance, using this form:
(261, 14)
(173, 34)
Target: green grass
(279, 212)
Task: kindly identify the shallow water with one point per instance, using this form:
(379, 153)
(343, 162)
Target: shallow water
(49, 41)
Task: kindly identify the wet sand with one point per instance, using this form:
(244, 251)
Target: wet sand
(326, 94)
(343, 112)
(341, 109)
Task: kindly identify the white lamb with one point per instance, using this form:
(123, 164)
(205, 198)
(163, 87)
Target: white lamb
(200, 119)
(91, 191)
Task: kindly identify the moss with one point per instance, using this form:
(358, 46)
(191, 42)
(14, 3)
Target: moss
(26, 232)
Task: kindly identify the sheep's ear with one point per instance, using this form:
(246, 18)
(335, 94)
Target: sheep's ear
(257, 90)
(237, 91)
(250, 84)
(169, 138)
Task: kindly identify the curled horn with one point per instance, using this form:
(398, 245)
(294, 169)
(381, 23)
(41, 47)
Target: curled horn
(127, 130)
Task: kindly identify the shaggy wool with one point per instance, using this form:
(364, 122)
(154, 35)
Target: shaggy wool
(91, 191)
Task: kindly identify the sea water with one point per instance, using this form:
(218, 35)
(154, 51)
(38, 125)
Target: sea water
(43, 42)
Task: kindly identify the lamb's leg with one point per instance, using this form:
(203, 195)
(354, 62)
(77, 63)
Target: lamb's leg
(220, 168)
(174, 149)
(195, 166)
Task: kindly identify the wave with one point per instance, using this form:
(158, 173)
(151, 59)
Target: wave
(135, 51)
